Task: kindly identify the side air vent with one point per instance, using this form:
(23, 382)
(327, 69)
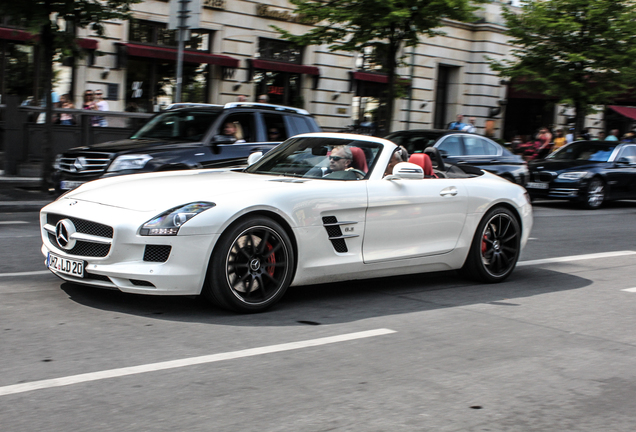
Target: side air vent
(157, 253)
(332, 226)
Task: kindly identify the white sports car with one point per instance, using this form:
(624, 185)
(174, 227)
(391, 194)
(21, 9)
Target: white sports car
(318, 208)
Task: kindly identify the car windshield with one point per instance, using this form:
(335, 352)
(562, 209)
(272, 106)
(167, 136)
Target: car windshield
(594, 151)
(320, 157)
(187, 125)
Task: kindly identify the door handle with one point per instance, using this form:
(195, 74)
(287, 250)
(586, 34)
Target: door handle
(449, 191)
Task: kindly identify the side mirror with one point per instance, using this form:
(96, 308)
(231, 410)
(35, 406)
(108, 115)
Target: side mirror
(254, 157)
(623, 160)
(223, 139)
(406, 171)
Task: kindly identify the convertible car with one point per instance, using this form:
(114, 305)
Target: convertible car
(318, 208)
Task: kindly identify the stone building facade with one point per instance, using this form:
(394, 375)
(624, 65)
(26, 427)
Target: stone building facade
(234, 51)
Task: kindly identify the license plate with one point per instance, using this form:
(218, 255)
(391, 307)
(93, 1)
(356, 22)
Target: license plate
(68, 185)
(64, 265)
(537, 185)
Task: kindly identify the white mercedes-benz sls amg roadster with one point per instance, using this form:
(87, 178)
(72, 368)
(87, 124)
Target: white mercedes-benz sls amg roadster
(318, 208)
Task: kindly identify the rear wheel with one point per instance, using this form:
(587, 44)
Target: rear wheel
(495, 248)
(595, 195)
(251, 267)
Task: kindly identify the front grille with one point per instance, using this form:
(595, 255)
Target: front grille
(338, 244)
(84, 248)
(92, 163)
(157, 253)
(82, 226)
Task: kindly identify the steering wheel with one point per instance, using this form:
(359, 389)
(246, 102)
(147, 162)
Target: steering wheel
(358, 173)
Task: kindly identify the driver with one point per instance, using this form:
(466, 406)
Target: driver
(340, 159)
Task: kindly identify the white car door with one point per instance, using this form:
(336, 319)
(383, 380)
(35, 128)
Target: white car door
(413, 218)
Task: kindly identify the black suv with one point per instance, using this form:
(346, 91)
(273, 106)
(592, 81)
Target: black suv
(186, 137)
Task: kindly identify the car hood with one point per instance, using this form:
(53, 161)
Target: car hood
(161, 191)
(561, 165)
(126, 145)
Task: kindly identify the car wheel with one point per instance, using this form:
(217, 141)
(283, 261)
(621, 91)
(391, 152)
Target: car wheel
(495, 248)
(251, 266)
(595, 195)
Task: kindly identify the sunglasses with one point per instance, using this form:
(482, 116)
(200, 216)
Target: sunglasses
(336, 158)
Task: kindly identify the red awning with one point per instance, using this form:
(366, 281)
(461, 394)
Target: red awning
(87, 43)
(15, 35)
(284, 67)
(370, 77)
(136, 50)
(624, 111)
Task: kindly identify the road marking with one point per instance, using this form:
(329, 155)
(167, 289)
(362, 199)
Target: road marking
(12, 222)
(173, 364)
(32, 273)
(630, 290)
(575, 258)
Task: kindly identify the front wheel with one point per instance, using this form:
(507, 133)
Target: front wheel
(495, 248)
(251, 267)
(595, 195)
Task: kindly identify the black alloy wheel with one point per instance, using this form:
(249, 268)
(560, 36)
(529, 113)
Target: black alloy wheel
(495, 248)
(251, 267)
(595, 194)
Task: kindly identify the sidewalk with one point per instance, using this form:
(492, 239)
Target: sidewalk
(22, 194)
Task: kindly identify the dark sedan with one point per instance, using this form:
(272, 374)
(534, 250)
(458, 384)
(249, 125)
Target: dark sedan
(588, 172)
(465, 148)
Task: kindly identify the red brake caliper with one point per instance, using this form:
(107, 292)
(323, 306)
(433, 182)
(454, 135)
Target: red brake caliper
(271, 260)
(484, 245)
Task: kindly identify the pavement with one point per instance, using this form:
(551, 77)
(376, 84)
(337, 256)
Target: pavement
(22, 194)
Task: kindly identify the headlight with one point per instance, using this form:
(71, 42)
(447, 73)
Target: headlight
(129, 162)
(169, 222)
(574, 175)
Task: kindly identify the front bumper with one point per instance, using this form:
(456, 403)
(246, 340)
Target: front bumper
(126, 265)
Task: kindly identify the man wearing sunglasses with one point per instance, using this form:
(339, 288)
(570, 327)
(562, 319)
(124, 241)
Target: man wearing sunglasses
(340, 158)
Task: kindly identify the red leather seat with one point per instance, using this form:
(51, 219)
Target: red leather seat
(424, 161)
(359, 159)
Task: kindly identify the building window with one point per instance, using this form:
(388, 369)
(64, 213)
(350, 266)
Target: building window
(446, 96)
(282, 88)
(151, 82)
(154, 33)
(282, 51)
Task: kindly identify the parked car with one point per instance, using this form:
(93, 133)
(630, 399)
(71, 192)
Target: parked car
(295, 217)
(587, 172)
(465, 148)
(189, 136)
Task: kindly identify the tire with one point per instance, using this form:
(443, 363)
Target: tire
(595, 194)
(251, 266)
(495, 247)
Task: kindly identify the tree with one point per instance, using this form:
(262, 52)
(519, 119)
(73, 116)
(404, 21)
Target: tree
(580, 52)
(54, 22)
(388, 25)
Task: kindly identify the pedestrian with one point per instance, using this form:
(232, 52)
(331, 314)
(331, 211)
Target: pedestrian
(263, 98)
(559, 140)
(89, 102)
(570, 136)
(601, 136)
(470, 127)
(100, 105)
(241, 98)
(66, 118)
(458, 124)
(613, 136)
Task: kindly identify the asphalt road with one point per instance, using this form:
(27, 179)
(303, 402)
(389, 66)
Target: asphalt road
(551, 349)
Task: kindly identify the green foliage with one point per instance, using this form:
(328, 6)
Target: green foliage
(352, 25)
(60, 16)
(581, 52)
